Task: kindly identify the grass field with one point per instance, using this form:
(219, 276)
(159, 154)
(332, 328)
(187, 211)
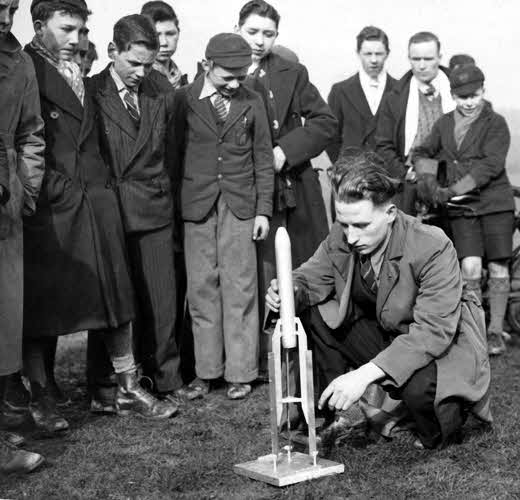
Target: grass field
(191, 456)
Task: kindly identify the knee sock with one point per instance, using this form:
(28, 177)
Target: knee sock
(34, 351)
(498, 292)
(118, 342)
(474, 286)
(51, 345)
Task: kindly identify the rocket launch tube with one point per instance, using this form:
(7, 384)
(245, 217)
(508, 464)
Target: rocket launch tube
(282, 245)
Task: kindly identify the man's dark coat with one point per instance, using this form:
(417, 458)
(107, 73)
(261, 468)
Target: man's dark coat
(140, 173)
(356, 122)
(76, 272)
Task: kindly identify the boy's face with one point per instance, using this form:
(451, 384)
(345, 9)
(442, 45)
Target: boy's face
(260, 33)
(168, 39)
(134, 64)
(372, 55)
(60, 34)
(425, 60)
(470, 104)
(7, 10)
(226, 81)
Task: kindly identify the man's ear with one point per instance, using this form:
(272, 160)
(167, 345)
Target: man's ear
(237, 29)
(38, 25)
(391, 212)
(206, 65)
(111, 50)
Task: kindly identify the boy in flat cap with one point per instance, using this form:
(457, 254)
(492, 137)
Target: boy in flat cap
(135, 116)
(77, 274)
(226, 198)
(473, 142)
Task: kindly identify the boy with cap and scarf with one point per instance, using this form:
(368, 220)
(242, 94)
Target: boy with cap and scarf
(472, 141)
(77, 274)
(226, 198)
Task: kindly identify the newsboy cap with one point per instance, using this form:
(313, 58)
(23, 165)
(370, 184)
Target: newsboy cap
(229, 50)
(466, 79)
(79, 4)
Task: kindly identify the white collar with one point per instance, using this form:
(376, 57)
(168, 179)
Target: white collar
(368, 81)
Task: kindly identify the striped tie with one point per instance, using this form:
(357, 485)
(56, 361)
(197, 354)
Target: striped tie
(130, 99)
(220, 107)
(367, 273)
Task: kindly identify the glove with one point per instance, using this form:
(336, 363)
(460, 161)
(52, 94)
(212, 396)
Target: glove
(426, 187)
(441, 196)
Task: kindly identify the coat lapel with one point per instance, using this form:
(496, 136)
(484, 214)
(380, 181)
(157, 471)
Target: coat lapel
(358, 99)
(475, 130)
(111, 105)
(54, 87)
(198, 106)
(237, 109)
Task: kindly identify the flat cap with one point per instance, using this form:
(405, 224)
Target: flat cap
(78, 4)
(229, 50)
(459, 60)
(466, 79)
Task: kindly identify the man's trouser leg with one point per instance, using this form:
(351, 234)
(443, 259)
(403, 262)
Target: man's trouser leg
(335, 350)
(239, 294)
(204, 295)
(153, 271)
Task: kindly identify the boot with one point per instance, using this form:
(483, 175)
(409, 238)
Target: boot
(16, 461)
(132, 399)
(43, 410)
(9, 419)
(13, 439)
(17, 396)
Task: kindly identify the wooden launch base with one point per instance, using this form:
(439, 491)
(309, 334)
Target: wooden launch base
(301, 468)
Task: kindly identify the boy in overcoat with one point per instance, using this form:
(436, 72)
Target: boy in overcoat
(226, 198)
(140, 175)
(21, 174)
(77, 275)
(302, 126)
(383, 295)
(472, 144)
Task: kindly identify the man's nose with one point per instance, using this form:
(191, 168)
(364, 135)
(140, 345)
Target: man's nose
(352, 237)
(259, 39)
(422, 64)
(139, 71)
(162, 40)
(373, 58)
(5, 17)
(74, 38)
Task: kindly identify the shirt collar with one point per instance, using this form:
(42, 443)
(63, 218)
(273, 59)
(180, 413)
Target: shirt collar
(120, 85)
(208, 89)
(367, 81)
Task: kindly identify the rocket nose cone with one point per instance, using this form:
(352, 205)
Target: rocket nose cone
(282, 236)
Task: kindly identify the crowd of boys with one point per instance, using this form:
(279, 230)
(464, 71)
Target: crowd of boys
(147, 208)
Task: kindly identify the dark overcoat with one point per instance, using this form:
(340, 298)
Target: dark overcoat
(480, 161)
(418, 303)
(76, 270)
(303, 125)
(356, 122)
(21, 173)
(140, 172)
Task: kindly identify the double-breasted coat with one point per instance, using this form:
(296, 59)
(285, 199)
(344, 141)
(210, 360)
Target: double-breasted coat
(21, 173)
(76, 266)
(356, 122)
(480, 161)
(418, 303)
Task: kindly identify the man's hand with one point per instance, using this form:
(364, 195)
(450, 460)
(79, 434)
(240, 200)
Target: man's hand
(279, 159)
(347, 389)
(260, 228)
(272, 299)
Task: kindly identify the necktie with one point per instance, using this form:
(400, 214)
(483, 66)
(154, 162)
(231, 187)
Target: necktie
(429, 91)
(367, 273)
(220, 107)
(130, 99)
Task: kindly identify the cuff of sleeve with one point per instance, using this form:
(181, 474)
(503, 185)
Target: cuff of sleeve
(463, 185)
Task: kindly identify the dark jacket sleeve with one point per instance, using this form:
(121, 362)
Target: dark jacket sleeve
(304, 143)
(385, 134)
(436, 314)
(478, 172)
(432, 145)
(336, 108)
(263, 160)
(30, 144)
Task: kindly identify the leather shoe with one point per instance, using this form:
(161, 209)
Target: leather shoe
(197, 388)
(44, 413)
(13, 439)
(132, 399)
(496, 344)
(238, 391)
(16, 461)
(17, 397)
(10, 419)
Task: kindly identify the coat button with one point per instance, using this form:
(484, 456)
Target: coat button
(219, 176)
(219, 158)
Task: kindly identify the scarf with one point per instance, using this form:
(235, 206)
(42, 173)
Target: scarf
(171, 71)
(69, 70)
(442, 86)
(463, 124)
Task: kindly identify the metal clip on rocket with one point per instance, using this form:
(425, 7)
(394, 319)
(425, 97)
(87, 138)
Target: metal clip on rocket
(282, 468)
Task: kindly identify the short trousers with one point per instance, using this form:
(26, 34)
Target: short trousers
(489, 235)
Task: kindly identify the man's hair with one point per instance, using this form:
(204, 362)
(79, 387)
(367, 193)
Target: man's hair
(260, 8)
(135, 29)
(43, 11)
(160, 12)
(361, 175)
(425, 36)
(370, 33)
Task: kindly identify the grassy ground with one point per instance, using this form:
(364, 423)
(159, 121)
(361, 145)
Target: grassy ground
(191, 456)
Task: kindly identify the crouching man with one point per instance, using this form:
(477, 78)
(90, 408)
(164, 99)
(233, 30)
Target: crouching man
(383, 295)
